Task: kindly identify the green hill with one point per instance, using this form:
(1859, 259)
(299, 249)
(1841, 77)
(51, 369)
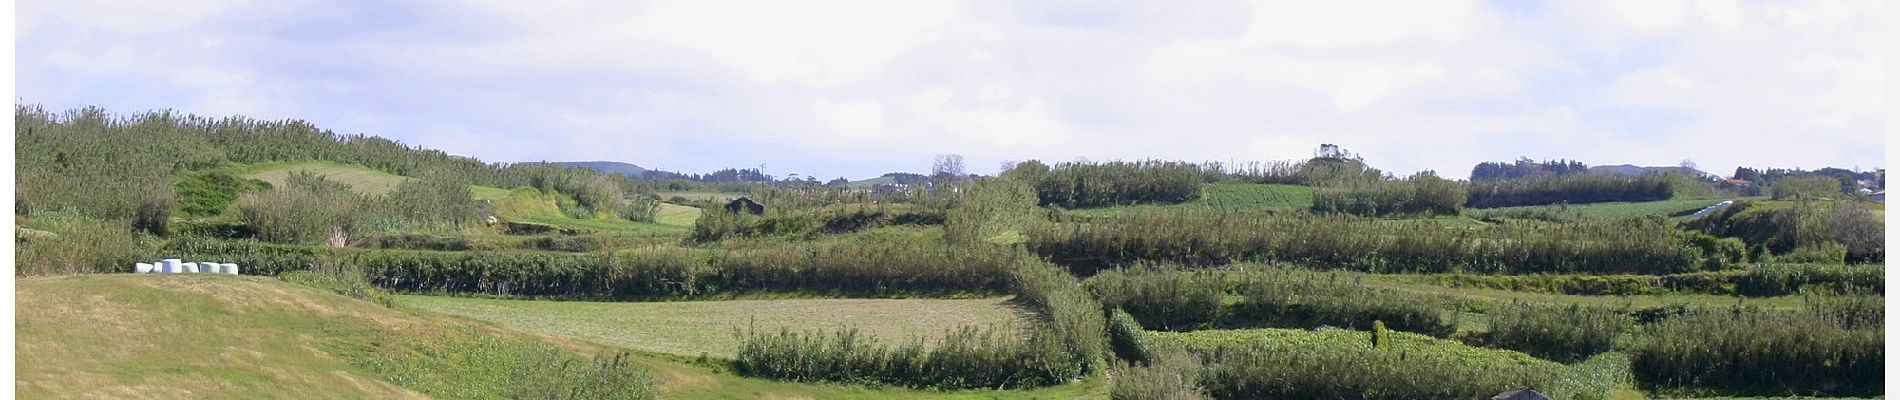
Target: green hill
(362, 179)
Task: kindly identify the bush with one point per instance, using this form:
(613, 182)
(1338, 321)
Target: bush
(1175, 375)
(1648, 246)
(1423, 194)
(994, 358)
(1333, 363)
(1161, 298)
(1806, 187)
(75, 244)
(1569, 188)
(1289, 298)
(308, 209)
(1128, 339)
(1562, 333)
(1070, 313)
(1749, 352)
(1084, 184)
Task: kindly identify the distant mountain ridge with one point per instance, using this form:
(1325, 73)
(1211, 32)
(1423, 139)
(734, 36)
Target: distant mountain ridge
(612, 167)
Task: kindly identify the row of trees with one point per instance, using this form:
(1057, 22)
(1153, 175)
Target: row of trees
(1086, 184)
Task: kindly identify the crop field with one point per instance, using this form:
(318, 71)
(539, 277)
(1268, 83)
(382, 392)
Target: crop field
(706, 327)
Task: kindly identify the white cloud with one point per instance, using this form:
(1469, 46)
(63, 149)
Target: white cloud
(861, 88)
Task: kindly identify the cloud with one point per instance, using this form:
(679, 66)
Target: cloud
(860, 88)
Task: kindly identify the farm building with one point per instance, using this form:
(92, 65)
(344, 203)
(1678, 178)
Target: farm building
(746, 205)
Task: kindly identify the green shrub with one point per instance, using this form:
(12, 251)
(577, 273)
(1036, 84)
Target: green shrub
(1568, 188)
(1205, 237)
(1750, 352)
(308, 209)
(1074, 317)
(1085, 184)
(1162, 298)
(1174, 375)
(1424, 194)
(995, 358)
(1127, 339)
(70, 243)
(1291, 298)
(1563, 333)
(1333, 363)
(1806, 187)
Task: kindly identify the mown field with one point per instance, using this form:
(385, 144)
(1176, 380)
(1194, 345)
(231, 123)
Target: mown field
(706, 327)
(361, 179)
(192, 337)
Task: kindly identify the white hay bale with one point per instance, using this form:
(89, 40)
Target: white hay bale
(190, 268)
(230, 268)
(172, 266)
(211, 268)
(142, 268)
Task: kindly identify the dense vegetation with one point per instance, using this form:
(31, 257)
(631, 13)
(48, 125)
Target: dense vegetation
(1423, 194)
(1753, 352)
(1281, 297)
(1214, 237)
(1832, 232)
(1084, 184)
(1571, 189)
(1564, 333)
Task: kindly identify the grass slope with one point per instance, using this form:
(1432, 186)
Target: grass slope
(362, 179)
(531, 205)
(1664, 208)
(155, 336)
(692, 328)
(208, 336)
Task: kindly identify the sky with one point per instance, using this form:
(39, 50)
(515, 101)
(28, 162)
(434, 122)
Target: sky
(856, 89)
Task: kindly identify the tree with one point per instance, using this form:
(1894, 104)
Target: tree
(947, 166)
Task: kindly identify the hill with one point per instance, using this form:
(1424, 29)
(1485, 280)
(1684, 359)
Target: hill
(1627, 169)
(363, 180)
(611, 167)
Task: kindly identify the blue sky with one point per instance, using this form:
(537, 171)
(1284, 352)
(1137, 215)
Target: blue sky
(856, 89)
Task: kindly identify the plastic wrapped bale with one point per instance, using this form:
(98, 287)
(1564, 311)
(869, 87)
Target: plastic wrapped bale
(190, 268)
(230, 268)
(172, 266)
(142, 268)
(210, 268)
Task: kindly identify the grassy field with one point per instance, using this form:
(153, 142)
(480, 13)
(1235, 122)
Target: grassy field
(209, 336)
(676, 215)
(362, 179)
(692, 328)
(196, 337)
